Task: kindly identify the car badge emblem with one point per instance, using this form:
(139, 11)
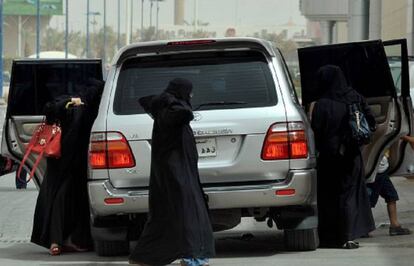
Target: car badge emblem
(197, 117)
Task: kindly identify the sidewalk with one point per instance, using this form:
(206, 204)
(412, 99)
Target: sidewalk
(17, 207)
(250, 243)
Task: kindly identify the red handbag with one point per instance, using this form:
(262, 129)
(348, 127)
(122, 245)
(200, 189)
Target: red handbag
(44, 142)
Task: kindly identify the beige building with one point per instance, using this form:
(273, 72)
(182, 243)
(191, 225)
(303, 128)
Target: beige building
(395, 15)
(352, 20)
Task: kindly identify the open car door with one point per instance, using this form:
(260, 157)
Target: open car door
(366, 69)
(401, 154)
(33, 84)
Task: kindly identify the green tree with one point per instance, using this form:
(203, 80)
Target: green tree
(287, 46)
(97, 44)
(53, 40)
(148, 34)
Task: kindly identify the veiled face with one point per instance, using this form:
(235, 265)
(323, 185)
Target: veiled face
(180, 88)
(331, 78)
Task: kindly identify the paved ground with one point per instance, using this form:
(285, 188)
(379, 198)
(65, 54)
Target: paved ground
(263, 247)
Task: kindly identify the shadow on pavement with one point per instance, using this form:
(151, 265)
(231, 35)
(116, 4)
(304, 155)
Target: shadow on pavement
(228, 245)
(8, 189)
(33, 253)
(249, 244)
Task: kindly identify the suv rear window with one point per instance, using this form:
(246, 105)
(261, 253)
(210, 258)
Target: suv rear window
(242, 77)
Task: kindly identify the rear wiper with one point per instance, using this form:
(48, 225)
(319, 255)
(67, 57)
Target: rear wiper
(219, 103)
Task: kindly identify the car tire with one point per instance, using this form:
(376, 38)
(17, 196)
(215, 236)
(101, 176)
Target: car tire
(111, 248)
(301, 240)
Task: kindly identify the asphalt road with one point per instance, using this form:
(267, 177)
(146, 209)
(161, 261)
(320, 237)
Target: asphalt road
(250, 243)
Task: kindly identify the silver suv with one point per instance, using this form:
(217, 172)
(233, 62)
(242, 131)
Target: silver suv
(255, 145)
(256, 149)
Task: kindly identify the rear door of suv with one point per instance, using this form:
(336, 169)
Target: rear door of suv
(34, 83)
(401, 155)
(366, 68)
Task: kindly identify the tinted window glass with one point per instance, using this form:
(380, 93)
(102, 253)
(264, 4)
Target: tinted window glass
(35, 83)
(228, 76)
(395, 68)
(394, 56)
(364, 64)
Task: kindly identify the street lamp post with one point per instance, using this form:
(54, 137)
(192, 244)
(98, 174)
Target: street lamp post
(195, 15)
(132, 20)
(1, 48)
(67, 29)
(151, 5)
(142, 20)
(104, 33)
(87, 28)
(127, 25)
(37, 29)
(119, 25)
(157, 19)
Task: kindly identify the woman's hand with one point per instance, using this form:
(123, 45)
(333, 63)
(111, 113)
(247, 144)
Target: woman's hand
(410, 140)
(76, 101)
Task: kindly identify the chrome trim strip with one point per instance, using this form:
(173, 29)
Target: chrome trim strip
(113, 192)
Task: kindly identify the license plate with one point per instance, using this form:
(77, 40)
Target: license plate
(206, 147)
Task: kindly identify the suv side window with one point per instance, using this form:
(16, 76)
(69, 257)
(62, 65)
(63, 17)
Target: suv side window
(34, 84)
(288, 77)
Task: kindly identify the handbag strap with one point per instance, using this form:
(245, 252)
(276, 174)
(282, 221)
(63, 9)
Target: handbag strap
(26, 155)
(36, 164)
(29, 150)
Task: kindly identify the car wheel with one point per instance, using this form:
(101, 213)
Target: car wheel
(301, 240)
(111, 248)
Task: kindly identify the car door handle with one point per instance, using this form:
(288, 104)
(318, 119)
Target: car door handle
(14, 144)
(391, 127)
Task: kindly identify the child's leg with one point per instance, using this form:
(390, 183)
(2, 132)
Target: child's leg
(392, 213)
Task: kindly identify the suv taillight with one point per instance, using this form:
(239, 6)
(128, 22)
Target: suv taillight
(285, 141)
(110, 150)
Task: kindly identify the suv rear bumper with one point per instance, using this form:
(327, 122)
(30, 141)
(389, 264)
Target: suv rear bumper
(226, 197)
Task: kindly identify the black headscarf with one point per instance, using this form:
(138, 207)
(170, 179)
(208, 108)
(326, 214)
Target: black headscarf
(180, 88)
(331, 81)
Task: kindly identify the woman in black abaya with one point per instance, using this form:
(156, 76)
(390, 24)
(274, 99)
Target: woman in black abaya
(343, 206)
(178, 225)
(61, 219)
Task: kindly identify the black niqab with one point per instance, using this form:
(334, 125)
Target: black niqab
(332, 82)
(343, 206)
(180, 88)
(178, 223)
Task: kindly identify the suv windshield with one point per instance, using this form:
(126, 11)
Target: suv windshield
(221, 80)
